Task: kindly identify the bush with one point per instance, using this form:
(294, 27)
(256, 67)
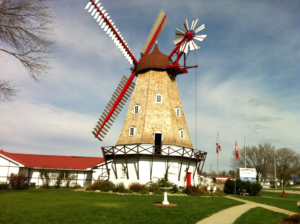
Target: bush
(158, 192)
(3, 185)
(252, 188)
(76, 185)
(175, 188)
(45, 177)
(88, 187)
(290, 220)
(193, 190)
(152, 186)
(103, 185)
(120, 187)
(136, 187)
(144, 191)
(18, 181)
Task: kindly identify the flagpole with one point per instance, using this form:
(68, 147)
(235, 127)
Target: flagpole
(217, 162)
(235, 178)
(217, 175)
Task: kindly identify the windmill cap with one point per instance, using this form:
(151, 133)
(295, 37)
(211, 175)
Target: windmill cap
(155, 60)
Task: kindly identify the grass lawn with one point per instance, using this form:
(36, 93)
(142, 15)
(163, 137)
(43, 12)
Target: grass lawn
(276, 199)
(259, 215)
(68, 206)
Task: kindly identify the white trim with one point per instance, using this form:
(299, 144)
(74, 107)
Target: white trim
(130, 128)
(177, 111)
(156, 97)
(181, 133)
(11, 160)
(138, 109)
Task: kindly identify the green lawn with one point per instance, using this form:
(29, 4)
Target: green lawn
(259, 215)
(275, 199)
(68, 206)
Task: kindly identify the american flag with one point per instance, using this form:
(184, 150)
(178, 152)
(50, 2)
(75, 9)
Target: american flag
(236, 150)
(218, 146)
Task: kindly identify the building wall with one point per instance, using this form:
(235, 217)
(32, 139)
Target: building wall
(158, 171)
(154, 117)
(33, 175)
(6, 168)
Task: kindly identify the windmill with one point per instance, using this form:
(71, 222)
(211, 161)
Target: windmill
(154, 135)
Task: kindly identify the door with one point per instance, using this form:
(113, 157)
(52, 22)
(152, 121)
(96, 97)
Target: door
(158, 143)
(188, 179)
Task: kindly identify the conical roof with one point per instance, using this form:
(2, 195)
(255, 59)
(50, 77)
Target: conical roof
(155, 60)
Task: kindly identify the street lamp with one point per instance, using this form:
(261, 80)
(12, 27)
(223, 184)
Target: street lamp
(245, 143)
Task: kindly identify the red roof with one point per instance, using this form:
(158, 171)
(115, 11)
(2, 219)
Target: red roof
(224, 176)
(56, 162)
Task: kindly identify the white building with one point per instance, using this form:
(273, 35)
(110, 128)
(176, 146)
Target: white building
(86, 169)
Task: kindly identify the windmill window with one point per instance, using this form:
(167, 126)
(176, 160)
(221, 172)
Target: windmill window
(181, 133)
(136, 109)
(177, 110)
(131, 131)
(158, 98)
(123, 172)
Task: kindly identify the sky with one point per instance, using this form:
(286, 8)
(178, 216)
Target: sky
(247, 79)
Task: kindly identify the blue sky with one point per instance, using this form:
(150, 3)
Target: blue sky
(247, 79)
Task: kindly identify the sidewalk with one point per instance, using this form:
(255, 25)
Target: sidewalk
(229, 215)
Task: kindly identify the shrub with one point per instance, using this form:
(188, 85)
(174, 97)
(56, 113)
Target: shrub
(18, 181)
(145, 191)
(290, 220)
(88, 187)
(193, 190)
(136, 187)
(69, 178)
(45, 177)
(162, 182)
(158, 192)
(175, 188)
(252, 188)
(103, 185)
(152, 186)
(76, 185)
(120, 187)
(3, 185)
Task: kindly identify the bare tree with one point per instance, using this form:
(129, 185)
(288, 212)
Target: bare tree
(286, 158)
(24, 29)
(260, 158)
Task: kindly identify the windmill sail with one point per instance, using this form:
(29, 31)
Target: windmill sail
(108, 26)
(155, 32)
(104, 123)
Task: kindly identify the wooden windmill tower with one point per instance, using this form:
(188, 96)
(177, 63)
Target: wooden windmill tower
(155, 136)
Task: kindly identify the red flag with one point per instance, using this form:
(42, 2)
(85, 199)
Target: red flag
(218, 146)
(236, 150)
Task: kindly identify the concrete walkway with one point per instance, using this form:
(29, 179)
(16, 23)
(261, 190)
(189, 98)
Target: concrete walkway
(229, 215)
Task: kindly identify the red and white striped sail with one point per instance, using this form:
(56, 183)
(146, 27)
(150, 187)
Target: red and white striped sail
(126, 86)
(101, 17)
(186, 39)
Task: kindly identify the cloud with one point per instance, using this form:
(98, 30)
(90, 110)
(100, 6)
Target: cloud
(263, 119)
(257, 102)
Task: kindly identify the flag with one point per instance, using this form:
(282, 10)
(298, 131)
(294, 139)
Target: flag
(236, 151)
(218, 146)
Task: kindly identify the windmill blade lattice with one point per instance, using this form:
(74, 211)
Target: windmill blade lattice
(102, 18)
(157, 28)
(186, 39)
(108, 107)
